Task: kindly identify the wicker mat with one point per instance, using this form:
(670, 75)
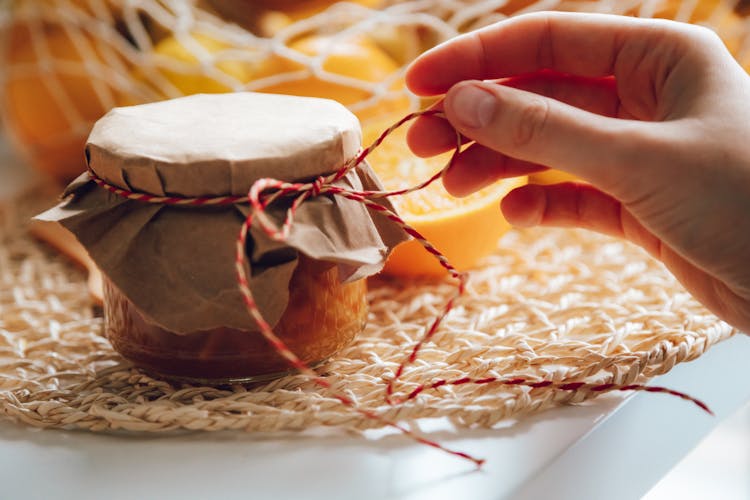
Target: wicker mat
(550, 304)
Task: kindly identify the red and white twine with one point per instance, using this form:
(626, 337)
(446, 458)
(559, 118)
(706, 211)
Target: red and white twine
(265, 191)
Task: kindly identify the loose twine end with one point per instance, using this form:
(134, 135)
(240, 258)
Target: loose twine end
(266, 191)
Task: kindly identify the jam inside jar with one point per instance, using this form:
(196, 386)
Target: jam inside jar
(322, 317)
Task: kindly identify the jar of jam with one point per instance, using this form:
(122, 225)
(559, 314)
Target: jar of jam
(172, 304)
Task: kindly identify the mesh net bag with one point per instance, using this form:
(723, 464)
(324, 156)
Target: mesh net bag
(65, 62)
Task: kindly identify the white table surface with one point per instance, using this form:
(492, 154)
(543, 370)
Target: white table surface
(617, 446)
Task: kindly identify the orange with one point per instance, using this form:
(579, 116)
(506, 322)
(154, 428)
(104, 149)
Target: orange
(464, 229)
(717, 14)
(402, 43)
(50, 111)
(189, 77)
(358, 59)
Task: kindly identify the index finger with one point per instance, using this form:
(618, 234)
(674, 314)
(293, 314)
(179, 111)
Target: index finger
(586, 45)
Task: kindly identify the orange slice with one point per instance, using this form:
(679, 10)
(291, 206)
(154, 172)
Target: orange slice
(552, 176)
(464, 229)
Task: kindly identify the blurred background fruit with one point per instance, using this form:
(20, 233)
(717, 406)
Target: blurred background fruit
(351, 64)
(49, 99)
(181, 63)
(723, 16)
(465, 230)
(347, 69)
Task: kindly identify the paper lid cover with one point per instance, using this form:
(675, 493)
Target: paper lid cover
(219, 144)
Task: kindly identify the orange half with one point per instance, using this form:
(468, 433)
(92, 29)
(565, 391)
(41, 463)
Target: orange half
(465, 230)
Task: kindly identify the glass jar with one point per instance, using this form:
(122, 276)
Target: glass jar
(323, 316)
(172, 301)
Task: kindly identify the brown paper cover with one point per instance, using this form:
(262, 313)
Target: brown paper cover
(176, 263)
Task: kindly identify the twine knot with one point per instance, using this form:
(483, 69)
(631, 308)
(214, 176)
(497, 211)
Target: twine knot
(317, 186)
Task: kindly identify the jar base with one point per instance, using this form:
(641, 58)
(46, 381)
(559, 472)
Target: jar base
(248, 381)
(322, 317)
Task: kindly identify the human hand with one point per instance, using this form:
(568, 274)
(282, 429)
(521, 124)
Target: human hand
(653, 114)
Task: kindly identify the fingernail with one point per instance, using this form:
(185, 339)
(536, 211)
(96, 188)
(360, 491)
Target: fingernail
(473, 106)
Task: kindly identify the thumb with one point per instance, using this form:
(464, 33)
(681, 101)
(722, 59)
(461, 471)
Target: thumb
(544, 131)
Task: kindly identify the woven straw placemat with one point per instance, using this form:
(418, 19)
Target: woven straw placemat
(553, 304)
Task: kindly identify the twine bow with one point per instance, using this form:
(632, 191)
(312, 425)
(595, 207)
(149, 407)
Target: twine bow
(266, 191)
